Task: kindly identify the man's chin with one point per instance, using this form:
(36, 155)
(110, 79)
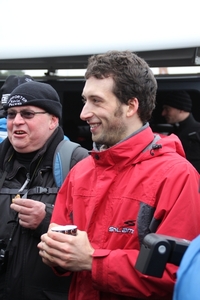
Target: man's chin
(20, 148)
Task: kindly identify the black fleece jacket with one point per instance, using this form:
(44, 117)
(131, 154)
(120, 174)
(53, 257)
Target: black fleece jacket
(26, 277)
(188, 132)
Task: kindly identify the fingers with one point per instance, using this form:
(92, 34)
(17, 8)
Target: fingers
(24, 220)
(23, 202)
(21, 205)
(52, 225)
(48, 254)
(55, 243)
(28, 207)
(46, 258)
(72, 253)
(54, 239)
(30, 212)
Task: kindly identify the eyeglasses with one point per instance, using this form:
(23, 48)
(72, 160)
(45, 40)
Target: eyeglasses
(25, 114)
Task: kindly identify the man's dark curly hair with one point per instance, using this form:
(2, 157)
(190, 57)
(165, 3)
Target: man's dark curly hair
(132, 76)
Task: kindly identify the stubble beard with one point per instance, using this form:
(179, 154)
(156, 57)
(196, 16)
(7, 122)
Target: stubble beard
(114, 132)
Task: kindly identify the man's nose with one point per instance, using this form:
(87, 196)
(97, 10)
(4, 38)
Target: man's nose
(86, 112)
(18, 118)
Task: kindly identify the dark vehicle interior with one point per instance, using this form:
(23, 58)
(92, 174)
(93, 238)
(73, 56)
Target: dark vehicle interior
(70, 88)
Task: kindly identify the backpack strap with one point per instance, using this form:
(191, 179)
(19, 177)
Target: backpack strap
(37, 190)
(62, 160)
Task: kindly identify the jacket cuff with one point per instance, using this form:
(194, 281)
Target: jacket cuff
(100, 264)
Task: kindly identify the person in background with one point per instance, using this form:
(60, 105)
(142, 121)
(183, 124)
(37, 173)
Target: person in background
(28, 191)
(177, 107)
(9, 85)
(187, 285)
(3, 126)
(133, 183)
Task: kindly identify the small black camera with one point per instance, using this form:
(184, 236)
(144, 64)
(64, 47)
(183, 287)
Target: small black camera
(157, 250)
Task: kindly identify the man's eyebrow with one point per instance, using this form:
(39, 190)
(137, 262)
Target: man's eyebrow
(92, 96)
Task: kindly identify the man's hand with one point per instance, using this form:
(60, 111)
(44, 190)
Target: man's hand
(72, 253)
(30, 212)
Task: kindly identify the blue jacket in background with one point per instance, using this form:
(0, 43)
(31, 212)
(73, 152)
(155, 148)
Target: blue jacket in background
(187, 286)
(3, 129)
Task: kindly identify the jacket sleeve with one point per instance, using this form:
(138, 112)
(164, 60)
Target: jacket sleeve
(178, 209)
(187, 286)
(114, 272)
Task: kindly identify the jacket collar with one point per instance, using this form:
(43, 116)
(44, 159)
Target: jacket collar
(127, 149)
(99, 147)
(143, 145)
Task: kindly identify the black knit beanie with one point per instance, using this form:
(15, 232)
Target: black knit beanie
(10, 84)
(37, 94)
(178, 99)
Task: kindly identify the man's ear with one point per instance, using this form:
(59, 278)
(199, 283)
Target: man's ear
(54, 122)
(133, 105)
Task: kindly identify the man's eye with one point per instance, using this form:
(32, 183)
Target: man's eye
(11, 115)
(96, 100)
(28, 114)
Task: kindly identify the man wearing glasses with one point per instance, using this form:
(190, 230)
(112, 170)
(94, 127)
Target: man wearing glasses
(28, 191)
(9, 85)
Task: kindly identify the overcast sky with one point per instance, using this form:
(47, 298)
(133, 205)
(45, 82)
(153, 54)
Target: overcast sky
(65, 27)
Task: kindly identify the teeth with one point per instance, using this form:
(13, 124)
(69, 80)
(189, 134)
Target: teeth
(19, 132)
(93, 126)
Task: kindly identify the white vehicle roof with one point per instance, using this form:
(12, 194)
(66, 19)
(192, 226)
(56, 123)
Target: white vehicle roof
(43, 28)
(47, 34)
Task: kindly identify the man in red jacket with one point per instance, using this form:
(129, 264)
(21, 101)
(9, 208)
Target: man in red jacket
(133, 183)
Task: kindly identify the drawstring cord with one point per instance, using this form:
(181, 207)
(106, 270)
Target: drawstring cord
(28, 180)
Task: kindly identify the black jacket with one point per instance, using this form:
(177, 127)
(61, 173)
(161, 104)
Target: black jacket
(26, 277)
(188, 132)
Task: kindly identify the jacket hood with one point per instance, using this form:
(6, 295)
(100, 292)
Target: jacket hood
(145, 145)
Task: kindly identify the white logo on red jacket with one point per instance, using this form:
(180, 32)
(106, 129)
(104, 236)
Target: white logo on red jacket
(121, 230)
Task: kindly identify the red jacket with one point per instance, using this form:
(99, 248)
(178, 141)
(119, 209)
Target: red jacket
(118, 196)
